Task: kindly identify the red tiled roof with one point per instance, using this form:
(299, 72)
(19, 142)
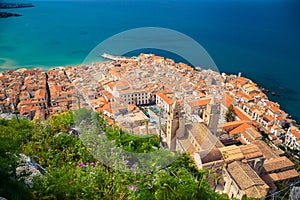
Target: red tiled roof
(115, 73)
(268, 118)
(55, 88)
(40, 94)
(227, 100)
(165, 98)
(277, 164)
(241, 114)
(201, 102)
(295, 133)
(241, 128)
(280, 176)
(233, 124)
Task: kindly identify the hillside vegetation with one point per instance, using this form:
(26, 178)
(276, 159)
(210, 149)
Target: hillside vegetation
(72, 172)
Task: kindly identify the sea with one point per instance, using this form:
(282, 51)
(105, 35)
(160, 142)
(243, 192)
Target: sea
(259, 38)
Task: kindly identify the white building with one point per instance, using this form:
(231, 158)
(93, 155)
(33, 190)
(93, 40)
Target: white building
(292, 138)
(165, 102)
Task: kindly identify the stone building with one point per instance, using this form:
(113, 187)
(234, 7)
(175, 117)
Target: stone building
(242, 181)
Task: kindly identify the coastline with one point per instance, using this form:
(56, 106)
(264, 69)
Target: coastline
(121, 88)
(267, 85)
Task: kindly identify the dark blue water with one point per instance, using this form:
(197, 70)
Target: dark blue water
(258, 38)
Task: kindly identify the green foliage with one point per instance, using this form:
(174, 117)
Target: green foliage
(132, 143)
(61, 122)
(282, 187)
(230, 114)
(73, 173)
(12, 135)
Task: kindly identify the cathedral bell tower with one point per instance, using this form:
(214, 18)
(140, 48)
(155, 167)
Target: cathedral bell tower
(173, 125)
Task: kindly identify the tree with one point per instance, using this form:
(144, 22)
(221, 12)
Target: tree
(230, 114)
(16, 111)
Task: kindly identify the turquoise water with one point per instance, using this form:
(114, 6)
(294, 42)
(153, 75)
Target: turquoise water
(260, 38)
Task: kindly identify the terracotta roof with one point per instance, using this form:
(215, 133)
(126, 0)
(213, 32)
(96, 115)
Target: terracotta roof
(110, 85)
(295, 133)
(55, 88)
(274, 108)
(187, 145)
(32, 70)
(227, 100)
(203, 136)
(241, 80)
(282, 112)
(233, 124)
(241, 128)
(277, 164)
(131, 107)
(115, 73)
(277, 142)
(25, 109)
(231, 153)
(267, 152)
(40, 94)
(243, 95)
(268, 118)
(248, 138)
(280, 118)
(253, 133)
(165, 98)
(201, 102)
(241, 114)
(246, 178)
(288, 174)
(250, 151)
(169, 60)
(106, 107)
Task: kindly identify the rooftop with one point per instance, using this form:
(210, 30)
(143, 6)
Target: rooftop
(246, 178)
(267, 152)
(277, 164)
(231, 153)
(281, 176)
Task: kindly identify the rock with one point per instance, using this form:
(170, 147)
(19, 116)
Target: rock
(7, 14)
(28, 169)
(73, 132)
(9, 116)
(15, 5)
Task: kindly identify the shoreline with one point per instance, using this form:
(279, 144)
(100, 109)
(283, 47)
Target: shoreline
(271, 94)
